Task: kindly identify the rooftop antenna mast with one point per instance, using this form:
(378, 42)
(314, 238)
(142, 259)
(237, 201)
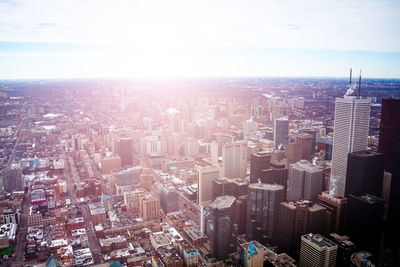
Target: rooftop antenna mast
(359, 85)
(350, 77)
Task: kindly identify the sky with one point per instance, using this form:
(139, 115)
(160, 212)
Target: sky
(121, 38)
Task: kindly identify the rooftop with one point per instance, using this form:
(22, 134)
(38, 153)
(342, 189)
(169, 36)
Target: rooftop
(319, 240)
(223, 202)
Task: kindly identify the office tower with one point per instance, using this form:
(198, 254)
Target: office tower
(352, 114)
(389, 130)
(222, 187)
(293, 152)
(229, 187)
(326, 144)
(364, 221)
(169, 199)
(317, 251)
(214, 152)
(262, 211)
(234, 159)
(345, 249)
(336, 210)
(277, 174)
(129, 176)
(205, 178)
(109, 164)
(306, 143)
(241, 214)
(313, 133)
(281, 131)
(126, 151)
(149, 207)
(219, 226)
(146, 179)
(296, 219)
(13, 179)
(364, 173)
(252, 254)
(393, 219)
(305, 181)
(258, 162)
(249, 129)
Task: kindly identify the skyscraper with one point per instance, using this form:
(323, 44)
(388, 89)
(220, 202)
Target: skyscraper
(336, 209)
(313, 133)
(305, 181)
(364, 173)
(234, 159)
(306, 144)
(262, 211)
(205, 178)
(258, 162)
(281, 131)
(296, 219)
(126, 151)
(389, 129)
(13, 179)
(364, 224)
(317, 251)
(352, 114)
(219, 226)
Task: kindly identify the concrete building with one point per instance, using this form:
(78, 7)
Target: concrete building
(234, 159)
(13, 179)
(317, 251)
(306, 145)
(252, 254)
(296, 219)
(336, 207)
(110, 163)
(206, 176)
(258, 162)
(305, 181)
(149, 207)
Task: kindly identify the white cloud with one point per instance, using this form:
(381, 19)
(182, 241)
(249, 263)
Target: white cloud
(342, 25)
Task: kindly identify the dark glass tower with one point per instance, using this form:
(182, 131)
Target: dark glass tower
(364, 173)
(258, 162)
(220, 219)
(364, 221)
(262, 211)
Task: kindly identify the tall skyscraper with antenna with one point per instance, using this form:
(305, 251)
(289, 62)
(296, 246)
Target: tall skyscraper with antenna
(352, 114)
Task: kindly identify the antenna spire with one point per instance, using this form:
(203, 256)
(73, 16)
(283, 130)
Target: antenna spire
(359, 85)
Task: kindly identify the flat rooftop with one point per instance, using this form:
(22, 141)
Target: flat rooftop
(319, 240)
(223, 202)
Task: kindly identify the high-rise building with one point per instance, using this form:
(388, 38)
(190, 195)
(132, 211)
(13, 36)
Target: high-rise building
(275, 176)
(262, 211)
(306, 145)
(317, 251)
(296, 219)
(313, 133)
(326, 143)
(352, 115)
(13, 179)
(149, 207)
(169, 199)
(336, 209)
(234, 159)
(220, 220)
(281, 131)
(205, 178)
(126, 151)
(252, 254)
(364, 174)
(305, 181)
(393, 220)
(241, 214)
(345, 249)
(258, 162)
(293, 152)
(229, 187)
(214, 152)
(365, 221)
(389, 130)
